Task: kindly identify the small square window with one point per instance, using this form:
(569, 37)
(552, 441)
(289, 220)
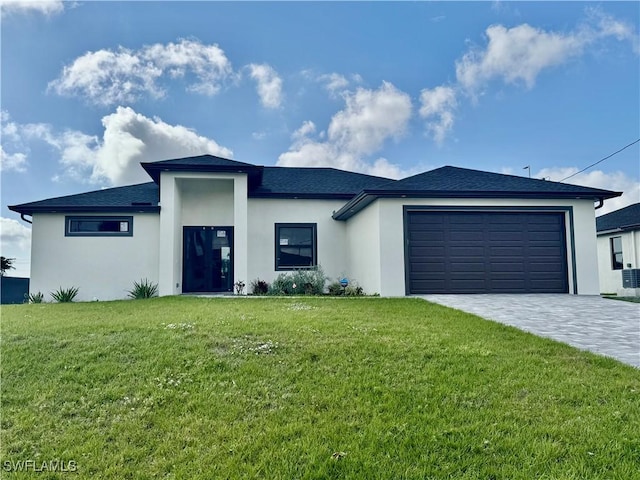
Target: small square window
(98, 226)
(616, 253)
(296, 246)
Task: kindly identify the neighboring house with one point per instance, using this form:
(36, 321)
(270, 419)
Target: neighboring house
(206, 222)
(619, 249)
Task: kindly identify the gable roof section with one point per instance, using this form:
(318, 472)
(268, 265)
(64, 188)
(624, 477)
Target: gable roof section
(627, 218)
(204, 163)
(455, 182)
(133, 198)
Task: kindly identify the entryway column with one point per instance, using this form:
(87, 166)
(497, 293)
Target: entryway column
(241, 229)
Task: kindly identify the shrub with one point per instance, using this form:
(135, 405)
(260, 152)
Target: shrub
(65, 295)
(282, 285)
(143, 289)
(353, 290)
(37, 297)
(335, 289)
(299, 282)
(259, 287)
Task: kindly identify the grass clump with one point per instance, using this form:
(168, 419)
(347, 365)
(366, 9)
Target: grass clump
(313, 387)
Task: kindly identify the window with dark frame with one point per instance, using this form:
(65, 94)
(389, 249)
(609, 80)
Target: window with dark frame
(616, 253)
(296, 246)
(98, 226)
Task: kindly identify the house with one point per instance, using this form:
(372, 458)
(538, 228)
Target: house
(619, 250)
(205, 222)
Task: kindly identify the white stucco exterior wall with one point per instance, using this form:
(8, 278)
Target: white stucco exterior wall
(581, 246)
(363, 236)
(103, 268)
(610, 279)
(263, 214)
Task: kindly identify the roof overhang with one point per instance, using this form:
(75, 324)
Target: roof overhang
(254, 172)
(27, 209)
(366, 197)
(622, 229)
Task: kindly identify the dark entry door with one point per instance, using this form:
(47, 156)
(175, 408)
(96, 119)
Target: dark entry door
(207, 259)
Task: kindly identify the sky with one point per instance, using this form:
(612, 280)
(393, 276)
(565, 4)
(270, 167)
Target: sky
(91, 89)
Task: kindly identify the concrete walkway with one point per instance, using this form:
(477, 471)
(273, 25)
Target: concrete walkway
(608, 327)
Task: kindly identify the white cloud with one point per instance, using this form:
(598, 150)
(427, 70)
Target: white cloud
(14, 234)
(337, 84)
(370, 118)
(15, 242)
(45, 7)
(615, 181)
(269, 84)
(519, 54)
(107, 77)
(334, 83)
(306, 129)
(128, 139)
(438, 104)
(16, 162)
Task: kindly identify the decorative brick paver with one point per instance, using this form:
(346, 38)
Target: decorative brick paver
(604, 326)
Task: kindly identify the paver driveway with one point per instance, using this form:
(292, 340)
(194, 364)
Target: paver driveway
(608, 327)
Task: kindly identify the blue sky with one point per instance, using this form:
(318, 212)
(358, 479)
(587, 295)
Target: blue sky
(89, 90)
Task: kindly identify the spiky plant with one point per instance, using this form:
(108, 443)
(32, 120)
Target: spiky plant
(65, 295)
(143, 289)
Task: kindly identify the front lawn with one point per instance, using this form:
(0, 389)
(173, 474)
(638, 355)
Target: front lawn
(314, 388)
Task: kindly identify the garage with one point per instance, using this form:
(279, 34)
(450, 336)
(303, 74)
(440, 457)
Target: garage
(485, 252)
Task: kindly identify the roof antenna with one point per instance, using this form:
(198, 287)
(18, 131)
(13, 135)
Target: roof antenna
(528, 167)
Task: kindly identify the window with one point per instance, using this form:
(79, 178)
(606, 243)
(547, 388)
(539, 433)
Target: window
(616, 253)
(98, 226)
(296, 245)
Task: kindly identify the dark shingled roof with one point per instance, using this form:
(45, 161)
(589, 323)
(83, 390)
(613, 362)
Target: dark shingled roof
(139, 198)
(457, 180)
(627, 218)
(204, 163)
(287, 182)
(324, 183)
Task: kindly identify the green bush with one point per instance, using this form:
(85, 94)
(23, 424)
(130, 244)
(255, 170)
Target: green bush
(352, 290)
(65, 295)
(143, 289)
(299, 282)
(259, 287)
(335, 289)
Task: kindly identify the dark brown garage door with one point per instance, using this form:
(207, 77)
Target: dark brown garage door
(486, 252)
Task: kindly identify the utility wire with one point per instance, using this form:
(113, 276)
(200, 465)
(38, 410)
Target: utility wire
(600, 161)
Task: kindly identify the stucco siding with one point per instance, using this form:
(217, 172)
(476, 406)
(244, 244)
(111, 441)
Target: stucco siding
(363, 236)
(263, 214)
(103, 268)
(610, 279)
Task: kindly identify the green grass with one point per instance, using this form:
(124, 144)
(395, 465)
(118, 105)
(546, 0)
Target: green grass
(624, 299)
(194, 388)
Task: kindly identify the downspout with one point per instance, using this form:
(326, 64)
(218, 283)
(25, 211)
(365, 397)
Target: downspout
(24, 219)
(600, 203)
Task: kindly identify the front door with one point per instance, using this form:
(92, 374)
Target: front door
(207, 260)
